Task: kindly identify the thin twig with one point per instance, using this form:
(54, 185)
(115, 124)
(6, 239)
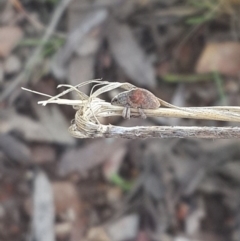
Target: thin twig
(36, 56)
(137, 132)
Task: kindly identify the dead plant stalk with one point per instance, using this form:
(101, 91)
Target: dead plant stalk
(90, 108)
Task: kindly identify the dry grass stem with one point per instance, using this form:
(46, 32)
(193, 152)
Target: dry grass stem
(90, 108)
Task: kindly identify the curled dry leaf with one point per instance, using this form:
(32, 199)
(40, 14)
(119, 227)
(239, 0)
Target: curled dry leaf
(221, 57)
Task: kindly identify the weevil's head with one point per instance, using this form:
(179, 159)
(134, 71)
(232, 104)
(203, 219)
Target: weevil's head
(115, 100)
(121, 99)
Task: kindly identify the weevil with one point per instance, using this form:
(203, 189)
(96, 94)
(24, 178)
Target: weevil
(136, 98)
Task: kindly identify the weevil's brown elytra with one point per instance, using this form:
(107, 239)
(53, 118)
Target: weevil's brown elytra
(136, 98)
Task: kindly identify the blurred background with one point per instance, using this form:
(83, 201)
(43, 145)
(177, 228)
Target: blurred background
(56, 187)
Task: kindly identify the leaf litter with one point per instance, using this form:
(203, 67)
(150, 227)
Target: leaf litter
(180, 189)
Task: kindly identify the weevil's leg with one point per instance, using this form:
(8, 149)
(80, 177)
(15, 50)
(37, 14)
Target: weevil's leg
(142, 114)
(126, 112)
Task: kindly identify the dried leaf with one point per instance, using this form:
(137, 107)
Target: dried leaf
(75, 39)
(9, 38)
(33, 130)
(129, 54)
(81, 66)
(221, 57)
(87, 157)
(65, 198)
(55, 123)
